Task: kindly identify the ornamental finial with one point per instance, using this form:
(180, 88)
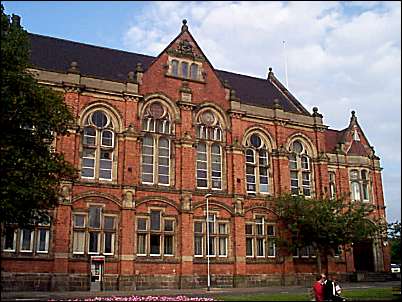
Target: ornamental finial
(184, 27)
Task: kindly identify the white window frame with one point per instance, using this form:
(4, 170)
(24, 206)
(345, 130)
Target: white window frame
(201, 235)
(47, 234)
(15, 230)
(84, 242)
(202, 161)
(88, 167)
(300, 170)
(101, 142)
(98, 252)
(30, 242)
(157, 164)
(251, 237)
(111, 169)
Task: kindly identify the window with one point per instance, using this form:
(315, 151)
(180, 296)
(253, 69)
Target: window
(42, 237)
(185, 69)
(194, 71)
(94, 232)
(304, 252)
(98, 145)
(218, 237)
(9, 239)
(33, 240)
(209, 152)
(332, 185)
(260, 238)
(156, 146)
(155, 235)
(256, 165)
(300, 169)
(175, 68)
(359, 185)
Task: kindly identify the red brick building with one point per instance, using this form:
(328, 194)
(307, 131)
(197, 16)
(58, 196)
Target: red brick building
(153, 136)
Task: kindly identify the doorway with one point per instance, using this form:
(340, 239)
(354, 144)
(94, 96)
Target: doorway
(363, 256)
(97, 270)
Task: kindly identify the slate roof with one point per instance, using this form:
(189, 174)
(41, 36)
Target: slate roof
(332, 138)
(56, 54)
(357, 148)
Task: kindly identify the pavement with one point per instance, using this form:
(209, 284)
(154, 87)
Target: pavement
(199, 292)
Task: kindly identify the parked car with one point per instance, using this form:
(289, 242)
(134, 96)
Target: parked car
(395, 268)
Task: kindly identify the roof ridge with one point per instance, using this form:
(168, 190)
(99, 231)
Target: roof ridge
(240, 74)
(91, 45)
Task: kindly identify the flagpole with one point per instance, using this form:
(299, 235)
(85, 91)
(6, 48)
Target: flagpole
(286, 65)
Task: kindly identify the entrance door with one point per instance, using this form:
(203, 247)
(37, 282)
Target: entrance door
(96, 275)
(363, 256)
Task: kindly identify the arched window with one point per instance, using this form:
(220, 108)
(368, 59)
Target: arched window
(300, 169)
(209, 152)
(156, 149)
(175, 68)
(194, 71)
(332, 185)
(257, 165)
(359, 185)
(98, 146)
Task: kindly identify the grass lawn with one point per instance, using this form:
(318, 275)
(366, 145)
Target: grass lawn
(366, 294)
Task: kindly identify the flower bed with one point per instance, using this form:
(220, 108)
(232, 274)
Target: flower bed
(144, 298)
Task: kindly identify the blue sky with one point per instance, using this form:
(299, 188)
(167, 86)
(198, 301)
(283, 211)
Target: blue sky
(341, 56)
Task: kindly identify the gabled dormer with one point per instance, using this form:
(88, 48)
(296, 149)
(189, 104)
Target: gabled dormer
(182, 66)
(354, 141)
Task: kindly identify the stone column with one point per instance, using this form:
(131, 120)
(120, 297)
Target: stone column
(61, 241)
(186, 242)
(127, 244)
(239, 238)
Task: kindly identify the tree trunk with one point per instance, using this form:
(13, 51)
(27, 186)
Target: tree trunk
(318, 257)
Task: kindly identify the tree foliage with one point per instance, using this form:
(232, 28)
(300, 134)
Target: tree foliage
(30, 117)
(394, 238)
(325, 224)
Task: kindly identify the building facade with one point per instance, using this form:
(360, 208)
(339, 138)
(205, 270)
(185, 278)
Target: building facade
(155, 135)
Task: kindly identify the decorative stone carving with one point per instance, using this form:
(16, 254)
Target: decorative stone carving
(128, 199)
(74, 68)
(131, 131)
(238, 205)
(186, 201)
(65, 194)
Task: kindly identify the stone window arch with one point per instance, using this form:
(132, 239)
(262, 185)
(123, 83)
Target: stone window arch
(300, 166)
(210, 151)
(99, 145)
(258, 163)
(360, 186)
(156, 144)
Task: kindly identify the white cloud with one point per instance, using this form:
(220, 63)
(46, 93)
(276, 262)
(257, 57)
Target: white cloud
(342, 56)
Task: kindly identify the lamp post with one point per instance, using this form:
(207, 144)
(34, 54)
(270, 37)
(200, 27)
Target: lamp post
(207, 220)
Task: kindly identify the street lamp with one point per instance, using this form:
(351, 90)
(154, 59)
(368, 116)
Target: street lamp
(207, 220)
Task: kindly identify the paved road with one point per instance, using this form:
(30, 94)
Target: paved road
(43, 296)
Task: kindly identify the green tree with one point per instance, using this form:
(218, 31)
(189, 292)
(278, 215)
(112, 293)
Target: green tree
(31, 116)
(394, 238)
(325, 224)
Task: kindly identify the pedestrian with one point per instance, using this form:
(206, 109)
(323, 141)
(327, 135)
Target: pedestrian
(338, 290)
(318, 288)
(329, 289)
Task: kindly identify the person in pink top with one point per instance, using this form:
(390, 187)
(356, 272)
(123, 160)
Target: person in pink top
(318, 288)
